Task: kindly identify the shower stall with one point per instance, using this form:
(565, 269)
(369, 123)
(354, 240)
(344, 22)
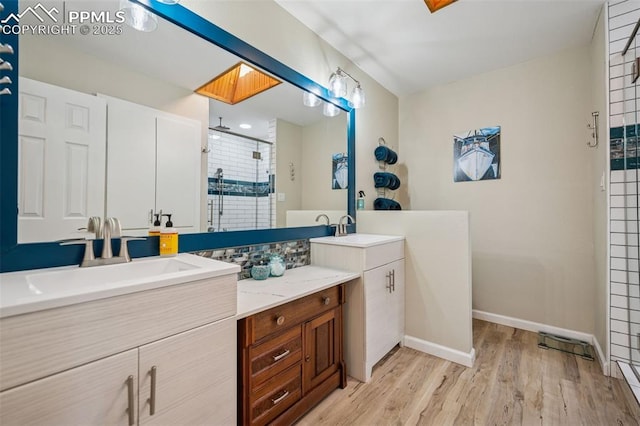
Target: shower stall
(240, 182)
(624, 225)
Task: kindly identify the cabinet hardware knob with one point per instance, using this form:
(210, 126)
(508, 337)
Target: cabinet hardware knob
(326, 300)
(280, 319)
(130, 411)
(282, 355)
(277, 400)
(152, 397)
(307, 358)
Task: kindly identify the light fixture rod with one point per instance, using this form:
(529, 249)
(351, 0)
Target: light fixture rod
(240, 135)
(341, 71)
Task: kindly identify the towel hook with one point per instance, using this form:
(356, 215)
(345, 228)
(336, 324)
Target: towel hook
(594, 129)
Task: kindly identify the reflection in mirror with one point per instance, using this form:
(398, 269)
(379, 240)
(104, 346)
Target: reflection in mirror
(134, 139)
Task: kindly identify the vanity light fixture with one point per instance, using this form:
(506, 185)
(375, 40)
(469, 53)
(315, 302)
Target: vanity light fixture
(338, 88)
(138, 17)
(330, 110)
(310, 100)
(238, 83)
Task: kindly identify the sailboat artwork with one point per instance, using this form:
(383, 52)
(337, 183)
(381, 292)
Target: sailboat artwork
(476, 155)
(340, 171)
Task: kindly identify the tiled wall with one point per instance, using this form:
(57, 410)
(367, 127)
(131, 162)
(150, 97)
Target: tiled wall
(245, 186)
(296, 253)
(624, 178)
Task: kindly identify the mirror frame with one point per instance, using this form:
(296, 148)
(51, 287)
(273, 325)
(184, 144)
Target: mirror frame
(15, 257)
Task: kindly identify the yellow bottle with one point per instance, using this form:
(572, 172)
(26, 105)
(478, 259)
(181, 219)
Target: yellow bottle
(168, 239)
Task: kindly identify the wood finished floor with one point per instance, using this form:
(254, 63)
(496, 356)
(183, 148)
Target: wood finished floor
(513, 382)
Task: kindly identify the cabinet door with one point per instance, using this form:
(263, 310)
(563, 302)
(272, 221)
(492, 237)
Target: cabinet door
(96, 393)
(322, 356)
(195, 377)
(384, 312)
(178, 178)
(62, 137)
(131, 168)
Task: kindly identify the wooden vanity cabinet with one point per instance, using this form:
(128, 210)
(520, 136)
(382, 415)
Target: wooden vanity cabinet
(291, 357)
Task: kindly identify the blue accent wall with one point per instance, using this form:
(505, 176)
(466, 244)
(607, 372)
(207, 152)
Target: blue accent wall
(14, 256)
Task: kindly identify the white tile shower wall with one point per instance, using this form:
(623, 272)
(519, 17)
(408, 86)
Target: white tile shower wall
(624, 261)
(272, 137)
(234, 155)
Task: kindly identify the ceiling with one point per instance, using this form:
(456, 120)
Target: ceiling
(407, 49)
(176, 56)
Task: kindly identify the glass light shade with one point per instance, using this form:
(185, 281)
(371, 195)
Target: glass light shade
(357, 97)
(330, 110)
(138, 17)
(310, 100)
(169, 1)
(337, 85)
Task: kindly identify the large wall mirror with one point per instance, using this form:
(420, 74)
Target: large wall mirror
(135, 140)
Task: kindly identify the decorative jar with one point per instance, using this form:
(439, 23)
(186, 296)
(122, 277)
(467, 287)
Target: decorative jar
(260, 272)
(277, 265)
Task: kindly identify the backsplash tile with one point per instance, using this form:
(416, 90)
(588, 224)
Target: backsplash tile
(296, 253)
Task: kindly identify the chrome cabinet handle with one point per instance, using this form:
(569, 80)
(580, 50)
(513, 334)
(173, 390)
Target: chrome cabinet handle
(388, 277)
(278, 400)
(280, 319)
(132, 419)
(282, 355)
(393, 279)
(326, 300)
(152, 397)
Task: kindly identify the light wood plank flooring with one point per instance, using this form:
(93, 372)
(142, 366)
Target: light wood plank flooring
(512, 382)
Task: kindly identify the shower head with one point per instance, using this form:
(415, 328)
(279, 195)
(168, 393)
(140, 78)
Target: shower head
(219, 172)
(220, 126)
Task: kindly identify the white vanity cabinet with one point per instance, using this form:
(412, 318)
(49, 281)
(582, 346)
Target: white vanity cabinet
(159, 356)
(374, 310)
(154, 164)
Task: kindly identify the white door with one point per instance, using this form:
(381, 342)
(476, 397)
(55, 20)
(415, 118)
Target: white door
(131, 172)
(93, 394)
(384, 309)
(61, 155)
(178, 171)
(195, 377)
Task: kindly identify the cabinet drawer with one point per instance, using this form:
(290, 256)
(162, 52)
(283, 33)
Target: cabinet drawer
(275, 355)
(292, 313)
(41, 343)
(276, 395)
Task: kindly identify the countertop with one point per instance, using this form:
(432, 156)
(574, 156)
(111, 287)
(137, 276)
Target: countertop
(358, 240)
(37, 289)
(257, 296)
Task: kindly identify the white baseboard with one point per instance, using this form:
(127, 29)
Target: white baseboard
(453, 355)
(536, 327)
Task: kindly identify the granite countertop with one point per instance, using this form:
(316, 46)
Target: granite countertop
(257, 296)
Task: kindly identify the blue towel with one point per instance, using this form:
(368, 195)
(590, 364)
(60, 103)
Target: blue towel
(385, 154)
(386, 204)
(386, 180)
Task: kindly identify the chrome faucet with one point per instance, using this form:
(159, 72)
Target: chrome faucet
(325, 216)
(107, 230)
(341, 230)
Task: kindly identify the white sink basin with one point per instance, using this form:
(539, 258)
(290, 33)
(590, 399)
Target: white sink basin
(358, 240)
(28, 291)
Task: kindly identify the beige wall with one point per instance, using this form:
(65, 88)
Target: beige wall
(297, 46)
(288, 150)
(532, 230)
(437, 277)
(599, 164)
(320, 142)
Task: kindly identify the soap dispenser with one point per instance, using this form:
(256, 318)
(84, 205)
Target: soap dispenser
(154, 231)
(168, 238)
